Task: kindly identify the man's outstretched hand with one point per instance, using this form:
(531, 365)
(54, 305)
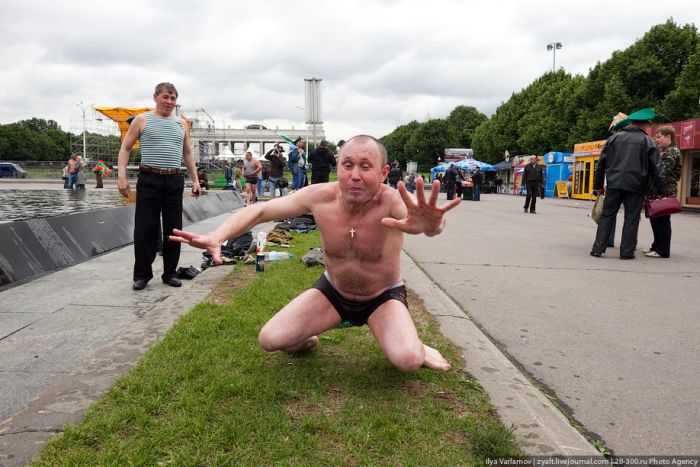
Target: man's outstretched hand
(205, 242)
(421, 217)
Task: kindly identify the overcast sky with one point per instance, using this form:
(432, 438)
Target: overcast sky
(383, 63)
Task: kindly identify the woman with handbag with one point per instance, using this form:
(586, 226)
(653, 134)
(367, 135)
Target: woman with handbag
(670, 168)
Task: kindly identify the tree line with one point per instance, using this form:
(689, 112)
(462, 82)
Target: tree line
(37, 139)
(557, 110)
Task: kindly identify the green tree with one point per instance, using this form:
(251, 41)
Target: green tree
(395, 142)
(428, 142)
(466, 119)
(548, 122)
(683, 102)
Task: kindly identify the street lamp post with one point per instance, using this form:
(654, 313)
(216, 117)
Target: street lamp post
(553, 46)
(83, 107)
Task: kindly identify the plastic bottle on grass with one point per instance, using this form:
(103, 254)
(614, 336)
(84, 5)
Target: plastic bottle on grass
(277, 255)
(260, 245)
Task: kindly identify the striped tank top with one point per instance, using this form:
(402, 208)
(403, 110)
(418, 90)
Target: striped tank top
(162, 142)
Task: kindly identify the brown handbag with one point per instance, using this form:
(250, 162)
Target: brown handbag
(657, 207)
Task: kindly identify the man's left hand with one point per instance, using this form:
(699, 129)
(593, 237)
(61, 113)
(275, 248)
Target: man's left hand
(196, 189)
(421, 217)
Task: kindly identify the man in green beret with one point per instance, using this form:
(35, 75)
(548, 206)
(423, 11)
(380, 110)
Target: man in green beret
(627, 162)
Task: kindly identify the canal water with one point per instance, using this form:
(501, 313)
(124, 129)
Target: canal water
(16, 205)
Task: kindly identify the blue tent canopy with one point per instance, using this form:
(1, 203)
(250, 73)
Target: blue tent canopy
(468, 165)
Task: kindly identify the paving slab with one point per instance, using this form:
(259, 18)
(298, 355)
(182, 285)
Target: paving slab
(540, 428)
(615, 342)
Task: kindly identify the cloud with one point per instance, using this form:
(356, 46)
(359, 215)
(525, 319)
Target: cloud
(383, 63)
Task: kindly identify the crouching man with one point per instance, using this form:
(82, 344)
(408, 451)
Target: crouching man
(362, 223)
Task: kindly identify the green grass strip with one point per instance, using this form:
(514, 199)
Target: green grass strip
(207, 394)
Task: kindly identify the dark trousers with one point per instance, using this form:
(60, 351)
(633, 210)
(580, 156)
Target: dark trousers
(450, 189)
(319, 177)
(476, 193)
(157, 195)
(661, 226)
(533, 190)
(633, 206)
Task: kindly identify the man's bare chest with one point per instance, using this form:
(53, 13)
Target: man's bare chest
(360, 237)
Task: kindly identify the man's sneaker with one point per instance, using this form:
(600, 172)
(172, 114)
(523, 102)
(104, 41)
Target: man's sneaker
(652, 254)
(647, 250)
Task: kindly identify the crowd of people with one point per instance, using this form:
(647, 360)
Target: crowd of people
(255, 177)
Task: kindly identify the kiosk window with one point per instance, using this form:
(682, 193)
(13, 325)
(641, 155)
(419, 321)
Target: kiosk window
(693, 186)
(587, 183)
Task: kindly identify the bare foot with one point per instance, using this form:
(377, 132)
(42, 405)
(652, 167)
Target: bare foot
(308, 344)
(434, 360)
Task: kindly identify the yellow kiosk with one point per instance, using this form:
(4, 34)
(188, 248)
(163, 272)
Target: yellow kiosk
(586, 157)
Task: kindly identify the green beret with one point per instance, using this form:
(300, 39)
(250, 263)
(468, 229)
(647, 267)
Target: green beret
(642, 115)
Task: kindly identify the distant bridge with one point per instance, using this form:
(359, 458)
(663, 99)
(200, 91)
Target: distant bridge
(207, 141)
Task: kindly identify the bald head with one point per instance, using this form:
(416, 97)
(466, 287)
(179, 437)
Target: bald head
(366, 139)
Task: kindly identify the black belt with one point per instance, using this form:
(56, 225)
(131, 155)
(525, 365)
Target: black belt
(148, 169)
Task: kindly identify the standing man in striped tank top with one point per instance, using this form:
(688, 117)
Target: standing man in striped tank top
(165, 142)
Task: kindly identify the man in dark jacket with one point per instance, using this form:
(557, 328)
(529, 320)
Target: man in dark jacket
(451, 175)
(533, 178)
(277, 164)
(478, 180)
(628, 162)
(394, 175)
(321, 161)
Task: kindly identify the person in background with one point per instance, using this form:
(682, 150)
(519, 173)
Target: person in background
(321, 161)
(477, 180)
(64, 176)
(80, 173)
(228, 175)
(450, 178)
(296, 154)
(628, 164)
(619, 121)
(533, 179)
(239, 181)
(262, 180)
(251, 170)
(72, 171)
(410, 181)
(99, 176)
(394, 174)
(203, 180)
(165, 145)
(670, 170)
(277, 163)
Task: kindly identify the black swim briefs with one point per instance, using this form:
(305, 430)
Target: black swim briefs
(354, 313)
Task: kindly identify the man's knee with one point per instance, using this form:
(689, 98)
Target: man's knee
(269, 339)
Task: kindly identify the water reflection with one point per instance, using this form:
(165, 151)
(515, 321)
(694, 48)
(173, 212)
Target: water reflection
(18, 205)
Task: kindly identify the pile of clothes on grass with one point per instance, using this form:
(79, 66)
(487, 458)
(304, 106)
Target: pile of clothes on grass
(242, 249)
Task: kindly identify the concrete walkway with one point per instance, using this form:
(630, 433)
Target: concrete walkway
(527, 280)
(616, 342)
(65, 337)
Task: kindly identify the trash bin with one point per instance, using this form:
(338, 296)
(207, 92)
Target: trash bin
(467, 193)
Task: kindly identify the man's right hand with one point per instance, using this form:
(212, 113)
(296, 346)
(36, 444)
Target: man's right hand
(205, 242)
(124, 188)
